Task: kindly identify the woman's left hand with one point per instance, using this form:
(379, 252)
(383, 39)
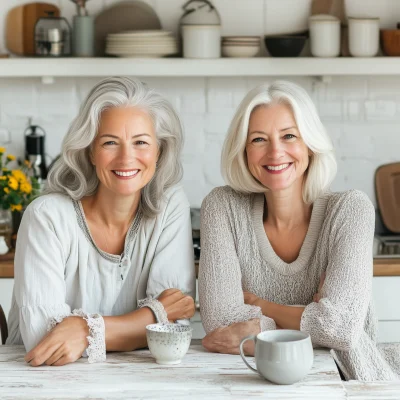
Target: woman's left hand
(64, 344)
(250, 298)
(227, 339)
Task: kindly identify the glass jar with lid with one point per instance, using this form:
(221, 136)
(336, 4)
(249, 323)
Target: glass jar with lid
(52, 36)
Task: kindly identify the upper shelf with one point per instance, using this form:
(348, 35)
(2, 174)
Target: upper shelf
(180, 67)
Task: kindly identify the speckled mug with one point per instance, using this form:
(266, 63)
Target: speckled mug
(168, 343)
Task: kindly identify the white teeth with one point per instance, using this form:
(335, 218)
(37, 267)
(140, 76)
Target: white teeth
(278, 167)
(129, 173)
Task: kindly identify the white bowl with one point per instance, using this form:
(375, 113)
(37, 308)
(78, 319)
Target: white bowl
(240, 51)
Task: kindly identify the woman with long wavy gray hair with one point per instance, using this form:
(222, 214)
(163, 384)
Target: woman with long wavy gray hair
(107, 249)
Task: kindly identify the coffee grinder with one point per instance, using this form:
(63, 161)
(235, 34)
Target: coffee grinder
(34, 151)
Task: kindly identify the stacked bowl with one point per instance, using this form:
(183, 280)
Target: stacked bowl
(240, 46)
(151, 43)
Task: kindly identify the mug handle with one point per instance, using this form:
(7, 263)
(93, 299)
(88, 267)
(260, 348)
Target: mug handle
(251, 337)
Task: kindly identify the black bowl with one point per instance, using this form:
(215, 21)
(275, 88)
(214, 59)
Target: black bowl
(285, 46)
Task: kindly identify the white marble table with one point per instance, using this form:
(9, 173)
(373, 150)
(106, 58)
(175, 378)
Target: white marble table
(201, 375)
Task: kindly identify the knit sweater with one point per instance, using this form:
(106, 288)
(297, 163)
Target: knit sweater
(58, 266)
(237, 256)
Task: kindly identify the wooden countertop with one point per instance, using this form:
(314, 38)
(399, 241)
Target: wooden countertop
(387, 266)
(382, 266)
(7, 265)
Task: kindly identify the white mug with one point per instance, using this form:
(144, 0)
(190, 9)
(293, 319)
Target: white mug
(363, 37)
(282, 356)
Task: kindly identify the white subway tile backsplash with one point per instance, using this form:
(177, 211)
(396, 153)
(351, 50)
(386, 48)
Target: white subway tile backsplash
(357, 141)
(5, 136)
(330, 110)
(381, 110)
(218, 123)
(353, 110)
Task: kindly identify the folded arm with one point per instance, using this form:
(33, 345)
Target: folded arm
(336, 317)
(223, 310)
(40, 294)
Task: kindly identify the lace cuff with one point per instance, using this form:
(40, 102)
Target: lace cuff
(53, 321)
(96, 351)
(157, 308)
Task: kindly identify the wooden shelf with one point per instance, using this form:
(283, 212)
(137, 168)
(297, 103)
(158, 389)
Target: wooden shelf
(180, 67)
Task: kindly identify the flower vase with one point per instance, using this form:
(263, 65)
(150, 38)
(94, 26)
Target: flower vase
(6, 226)
(16, 220)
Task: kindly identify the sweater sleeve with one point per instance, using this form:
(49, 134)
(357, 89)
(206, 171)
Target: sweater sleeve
(337, 320)
(173, 262)
(220, 278)
(39, 286)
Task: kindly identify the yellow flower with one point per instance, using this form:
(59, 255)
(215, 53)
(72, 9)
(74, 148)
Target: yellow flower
(26, 187)
(6, 190)
(11, 157)
(13, 183)
(16, 207)
(3, 178)
(2, 150)
(18, 175)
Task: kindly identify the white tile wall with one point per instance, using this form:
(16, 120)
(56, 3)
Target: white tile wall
(361, 113)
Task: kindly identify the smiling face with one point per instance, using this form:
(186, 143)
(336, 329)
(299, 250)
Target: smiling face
(125, 150)
(276, 154)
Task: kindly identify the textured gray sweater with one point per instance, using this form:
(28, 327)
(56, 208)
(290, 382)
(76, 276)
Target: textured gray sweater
(236, 255)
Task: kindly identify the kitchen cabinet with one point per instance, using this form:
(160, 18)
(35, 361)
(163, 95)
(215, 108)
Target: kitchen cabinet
(386, 294)
(180, 67)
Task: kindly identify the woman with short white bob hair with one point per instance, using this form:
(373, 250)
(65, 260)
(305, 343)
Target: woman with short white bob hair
(108, 249)
(278, 249)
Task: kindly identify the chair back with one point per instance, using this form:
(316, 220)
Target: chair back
(3, 326)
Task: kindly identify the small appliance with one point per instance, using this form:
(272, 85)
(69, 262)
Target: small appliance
(35, 151)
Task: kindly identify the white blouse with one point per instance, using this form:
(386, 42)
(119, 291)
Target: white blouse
(59, 268)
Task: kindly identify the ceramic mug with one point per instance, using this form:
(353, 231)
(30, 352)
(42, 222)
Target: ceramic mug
(282, 356)
(363, 37)
(168, 343)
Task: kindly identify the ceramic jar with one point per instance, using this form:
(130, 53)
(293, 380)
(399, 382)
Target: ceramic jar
(324, 35)
(201, 30)
(363, 37)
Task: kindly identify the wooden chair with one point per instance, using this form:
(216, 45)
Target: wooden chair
(3, 326)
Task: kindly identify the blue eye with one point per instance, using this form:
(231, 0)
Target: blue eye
(258, 139)
(289, 136)
(109, 143)
(140, 143)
